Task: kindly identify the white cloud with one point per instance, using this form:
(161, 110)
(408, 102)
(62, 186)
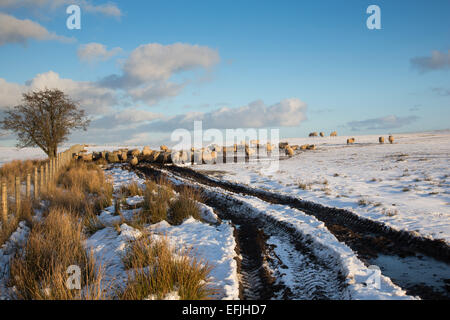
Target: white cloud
(286, 113)
(146, 73)
(388, 122)
(93, 52)
(94, 99)
(138, 126)
(15, 30)
(154, 61)
(10, 93)
(107, 9)
(125, 119)
(437, 61)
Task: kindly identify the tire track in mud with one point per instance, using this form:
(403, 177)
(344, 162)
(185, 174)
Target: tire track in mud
(366, 237)
(272, 263)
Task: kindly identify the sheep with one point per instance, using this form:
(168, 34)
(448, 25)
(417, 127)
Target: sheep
(322, 134)
(381, 139)
(333, 134)
(295, 147)
(164, 148)
(184, 156)
(134, 152)
(313, 134)
(350, 140)
(134, 161)
(249, 151)
(304, 147)
(283, 145)
(86, 156)
(269, 147)
(311, 147)
(207, 158)
(289, 151)
(112, 157)
(146, 151)
(155, 156)
(123, 156)
(391, 139)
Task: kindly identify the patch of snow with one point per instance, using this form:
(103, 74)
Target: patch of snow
(215, 244)
(16, 241)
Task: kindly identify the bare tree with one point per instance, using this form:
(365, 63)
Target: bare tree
(44, 119)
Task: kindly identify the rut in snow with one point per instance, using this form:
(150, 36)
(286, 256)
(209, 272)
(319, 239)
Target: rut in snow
(283, 269)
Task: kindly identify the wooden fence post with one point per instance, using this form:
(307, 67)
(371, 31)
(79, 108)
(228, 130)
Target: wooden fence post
(46, 174)
(35, 183)
(4, 201)
(17, 195)
(28, 188)
(50, 163)
(42, 178)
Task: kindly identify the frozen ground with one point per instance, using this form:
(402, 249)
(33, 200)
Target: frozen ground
(211, 243)
(404, 185)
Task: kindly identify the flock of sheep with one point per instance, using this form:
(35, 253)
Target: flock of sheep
(349, 140)
(210, 155)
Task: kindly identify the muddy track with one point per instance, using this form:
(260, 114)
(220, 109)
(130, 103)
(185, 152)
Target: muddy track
(261, 269)
(367, 238)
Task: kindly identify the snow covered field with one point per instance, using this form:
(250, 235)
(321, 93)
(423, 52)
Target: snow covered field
(212, 243)
(404, 185)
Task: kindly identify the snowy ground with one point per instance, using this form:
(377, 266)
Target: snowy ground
(405, 185)
(212, 243)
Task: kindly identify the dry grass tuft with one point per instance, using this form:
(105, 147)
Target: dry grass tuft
(25, 214)
(157, 270)
(157, 197)
(304, 185)
(185, 206)
(53, 245)
(81, 188)
(18, 168)
(131, 190)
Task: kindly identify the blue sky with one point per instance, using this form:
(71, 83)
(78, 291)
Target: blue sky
(315, 61)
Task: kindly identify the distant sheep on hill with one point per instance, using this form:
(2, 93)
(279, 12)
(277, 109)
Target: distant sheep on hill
(146, 151)
(391, 139)
(381, 139)
(350, 140)
(333, 134)
(289, 151)
(313, 134)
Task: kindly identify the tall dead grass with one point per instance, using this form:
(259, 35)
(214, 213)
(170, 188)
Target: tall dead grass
(185, 206)
(18, 168)
(54, 244)
(157, 196)
(81, 188)
(157, 269)
(25, 214)
(131, 189)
